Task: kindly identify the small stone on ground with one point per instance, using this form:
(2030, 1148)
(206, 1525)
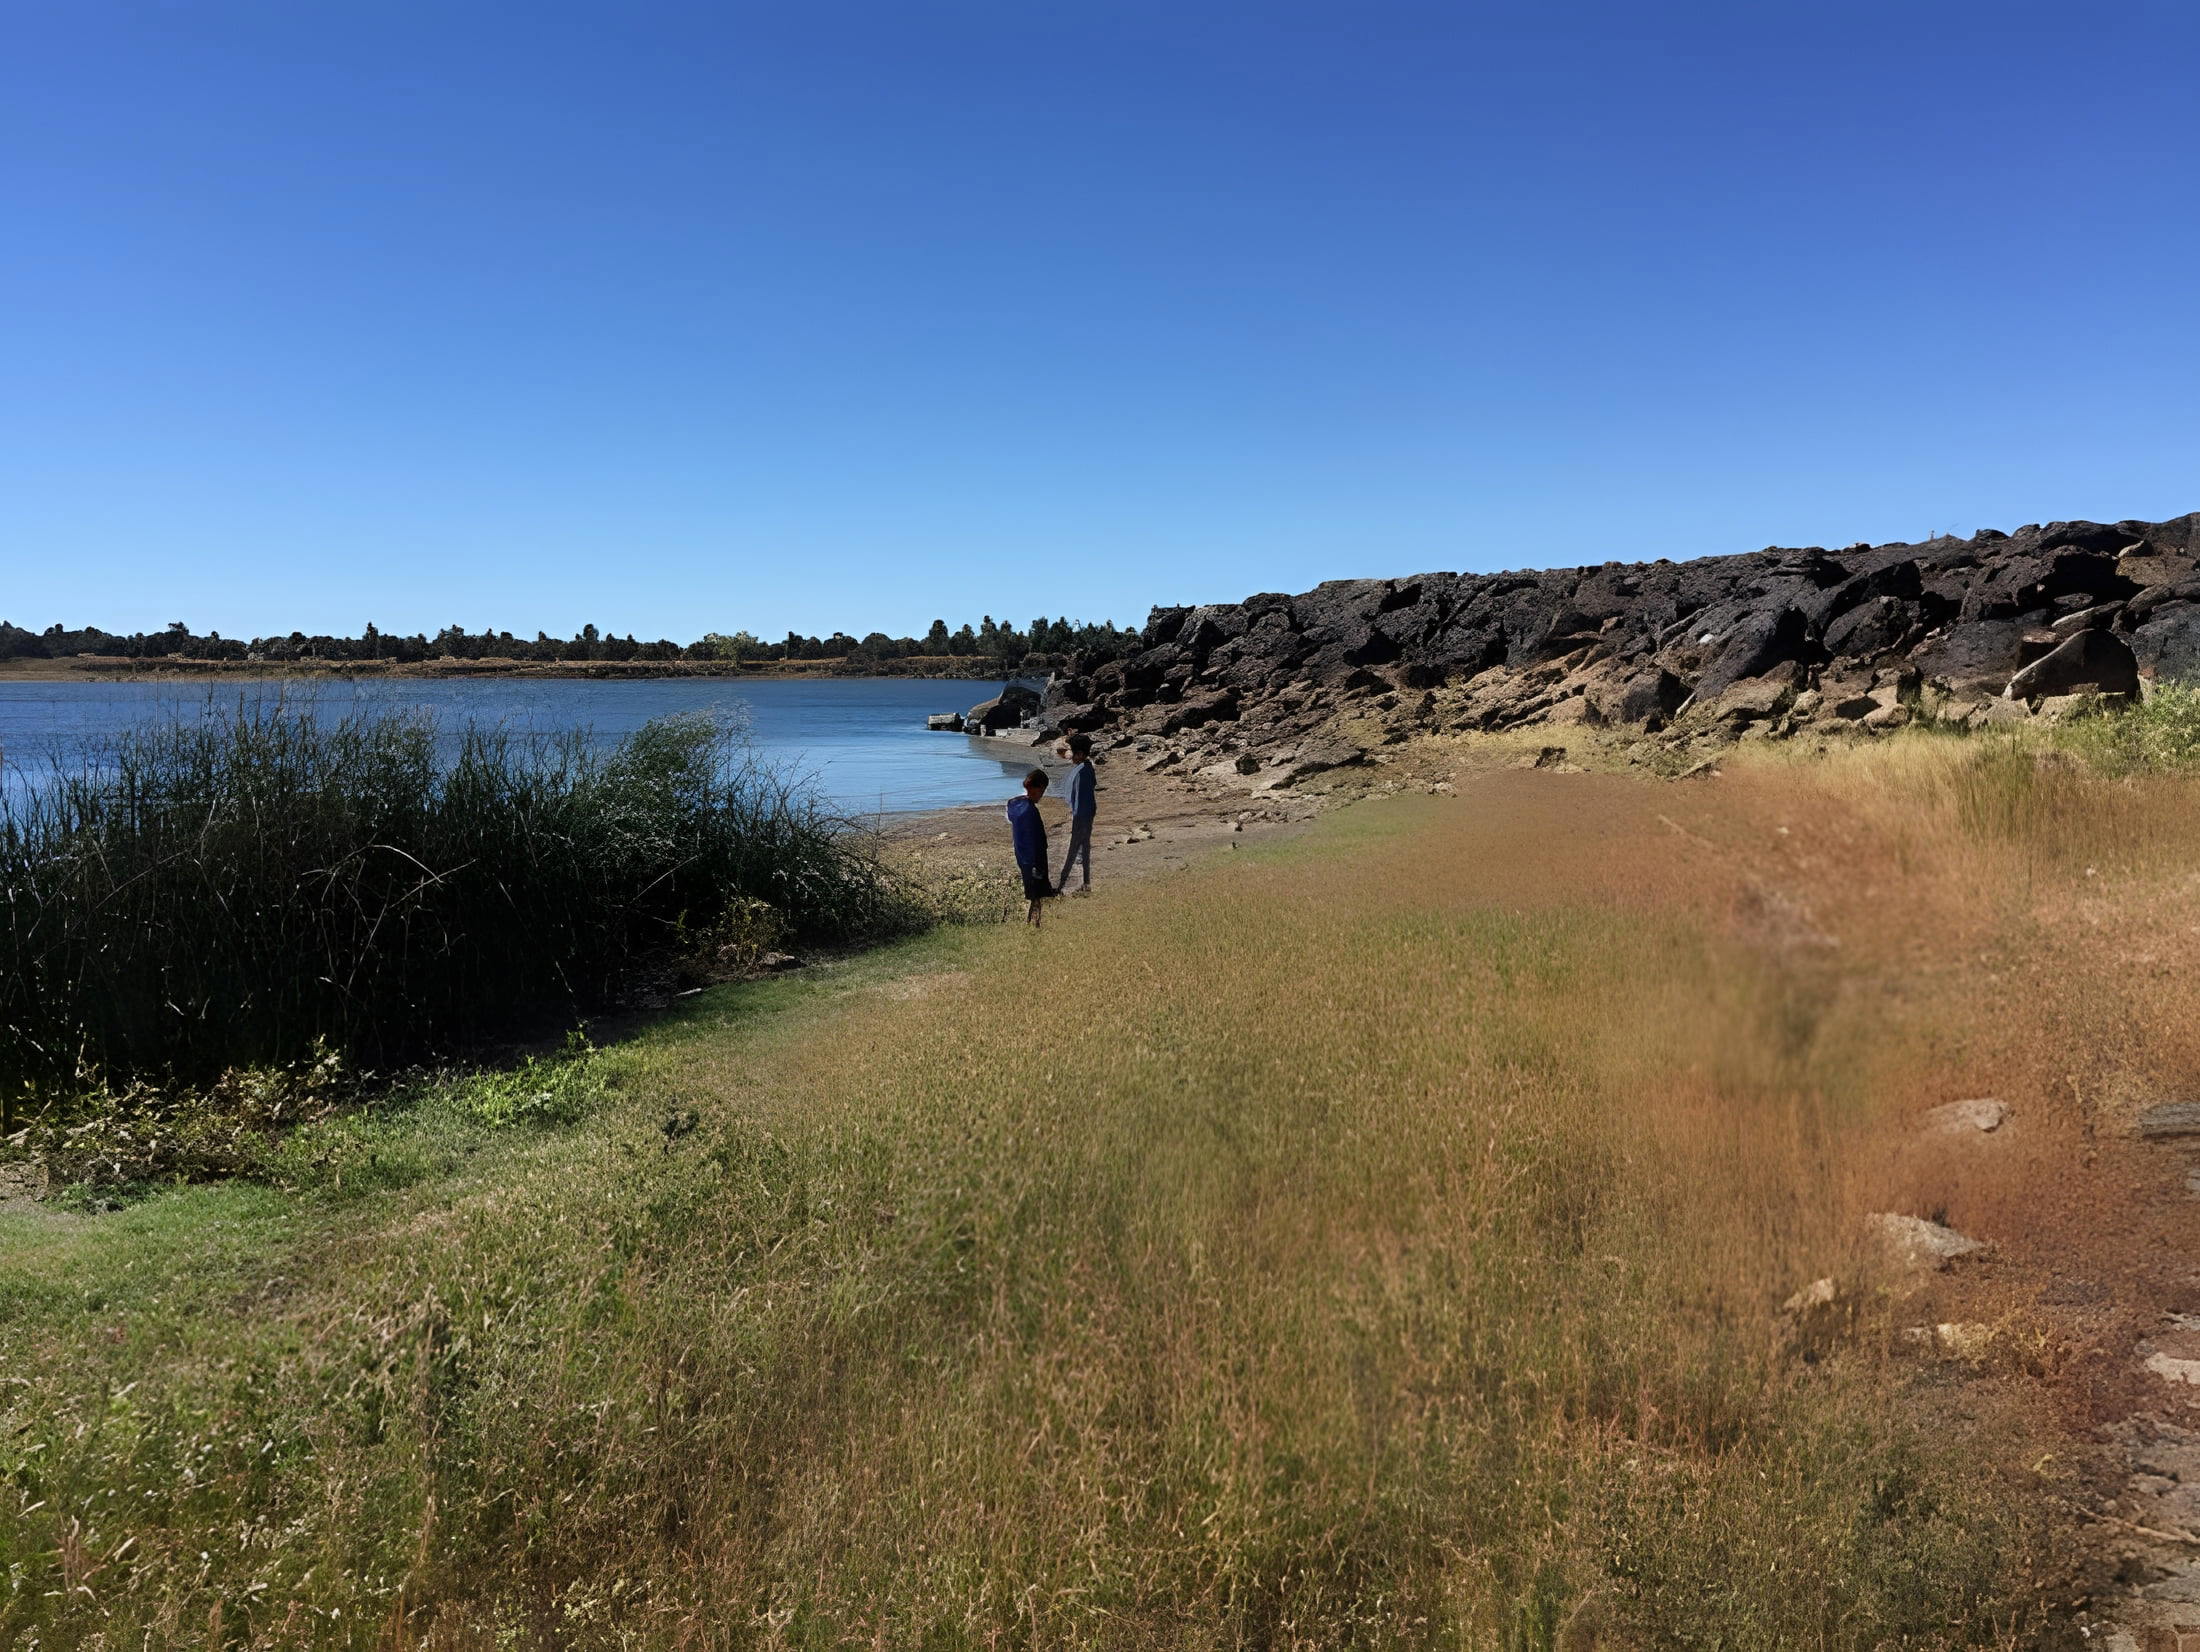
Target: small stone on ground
(2170, 1118)
(1953, 1118)
(1914, 1242)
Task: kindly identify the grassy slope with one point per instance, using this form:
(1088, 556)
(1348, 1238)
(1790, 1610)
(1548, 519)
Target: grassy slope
(1375, 1240)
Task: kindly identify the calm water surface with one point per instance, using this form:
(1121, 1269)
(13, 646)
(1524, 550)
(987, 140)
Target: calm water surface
(860, 740)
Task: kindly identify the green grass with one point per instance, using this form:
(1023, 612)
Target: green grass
(1374, 1243)
(134, 1263)
(2160, 733)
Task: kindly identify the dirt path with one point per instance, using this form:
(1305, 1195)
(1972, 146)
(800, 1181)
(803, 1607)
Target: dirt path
(2152, 1521)
(1147, 824)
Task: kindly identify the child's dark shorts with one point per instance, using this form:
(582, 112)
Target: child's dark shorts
(1036, 887)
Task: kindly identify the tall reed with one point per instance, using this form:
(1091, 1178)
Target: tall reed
(234, 888)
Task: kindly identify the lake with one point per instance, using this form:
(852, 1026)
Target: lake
(860, 740)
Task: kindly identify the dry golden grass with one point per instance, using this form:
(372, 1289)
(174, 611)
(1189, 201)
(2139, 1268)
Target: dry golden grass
(1375, 1241)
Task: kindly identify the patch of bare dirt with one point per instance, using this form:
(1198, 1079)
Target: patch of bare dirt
(1147, 824)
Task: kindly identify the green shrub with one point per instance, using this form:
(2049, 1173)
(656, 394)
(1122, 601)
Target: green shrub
(559, 1090)
(143, 1134)
(299, 1126)
(2162, 732)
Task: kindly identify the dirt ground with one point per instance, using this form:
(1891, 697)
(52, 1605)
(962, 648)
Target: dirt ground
(1162, 820)
(1147, 823)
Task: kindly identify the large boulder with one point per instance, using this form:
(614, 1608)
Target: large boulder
(1339, 609)
(1198, 710)
(1754, 647)
(1977, 657)
(2160, 595)
(1353, 645)
(2089, 536)
(1208, 628)
(1162, 625)
(1533, 613)
(2020, 584)
(1309, 760)
(1754, 699)
(1006, 709)
(1143, 673)
(2181, 536)
(1639, 698)
(2155, 568)
(1073, 717)
(1871, 628)
(2096, 660)
(2167, 646)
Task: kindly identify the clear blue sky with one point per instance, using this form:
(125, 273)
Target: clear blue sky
(687, 317)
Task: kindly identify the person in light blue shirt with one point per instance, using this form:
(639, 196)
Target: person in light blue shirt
(1027, 833)
(1077, 791)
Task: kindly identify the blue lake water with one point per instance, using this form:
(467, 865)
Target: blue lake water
(860, 741)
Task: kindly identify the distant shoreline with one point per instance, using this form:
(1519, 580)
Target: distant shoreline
(117, 669)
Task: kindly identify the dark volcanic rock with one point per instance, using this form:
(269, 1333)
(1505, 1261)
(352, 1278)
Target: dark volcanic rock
(1975, 658)
(2161, 595)
(1005, 710)
(2091, 659)
(1073, 718)
(1649, 695)
(1873, 627)
(2093, 536)
(1757, 644)
(1198, 710)
(2060, 607)
(2167, 646)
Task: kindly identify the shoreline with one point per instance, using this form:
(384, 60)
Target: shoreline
(1147, 823)
(116, 669)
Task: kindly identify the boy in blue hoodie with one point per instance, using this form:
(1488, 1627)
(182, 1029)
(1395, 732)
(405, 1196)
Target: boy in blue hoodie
(1029, 835)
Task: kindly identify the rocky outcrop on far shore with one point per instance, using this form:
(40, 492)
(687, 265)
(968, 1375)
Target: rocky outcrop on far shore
(1268, 691)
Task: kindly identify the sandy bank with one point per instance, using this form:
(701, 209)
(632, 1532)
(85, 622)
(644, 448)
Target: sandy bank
(1147, 823)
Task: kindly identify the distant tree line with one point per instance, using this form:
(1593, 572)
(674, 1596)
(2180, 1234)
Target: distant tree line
(989, 640)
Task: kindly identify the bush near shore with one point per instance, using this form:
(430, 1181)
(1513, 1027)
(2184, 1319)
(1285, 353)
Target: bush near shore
(259, 886)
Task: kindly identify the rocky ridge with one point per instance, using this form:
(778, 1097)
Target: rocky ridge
(1265, 692)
